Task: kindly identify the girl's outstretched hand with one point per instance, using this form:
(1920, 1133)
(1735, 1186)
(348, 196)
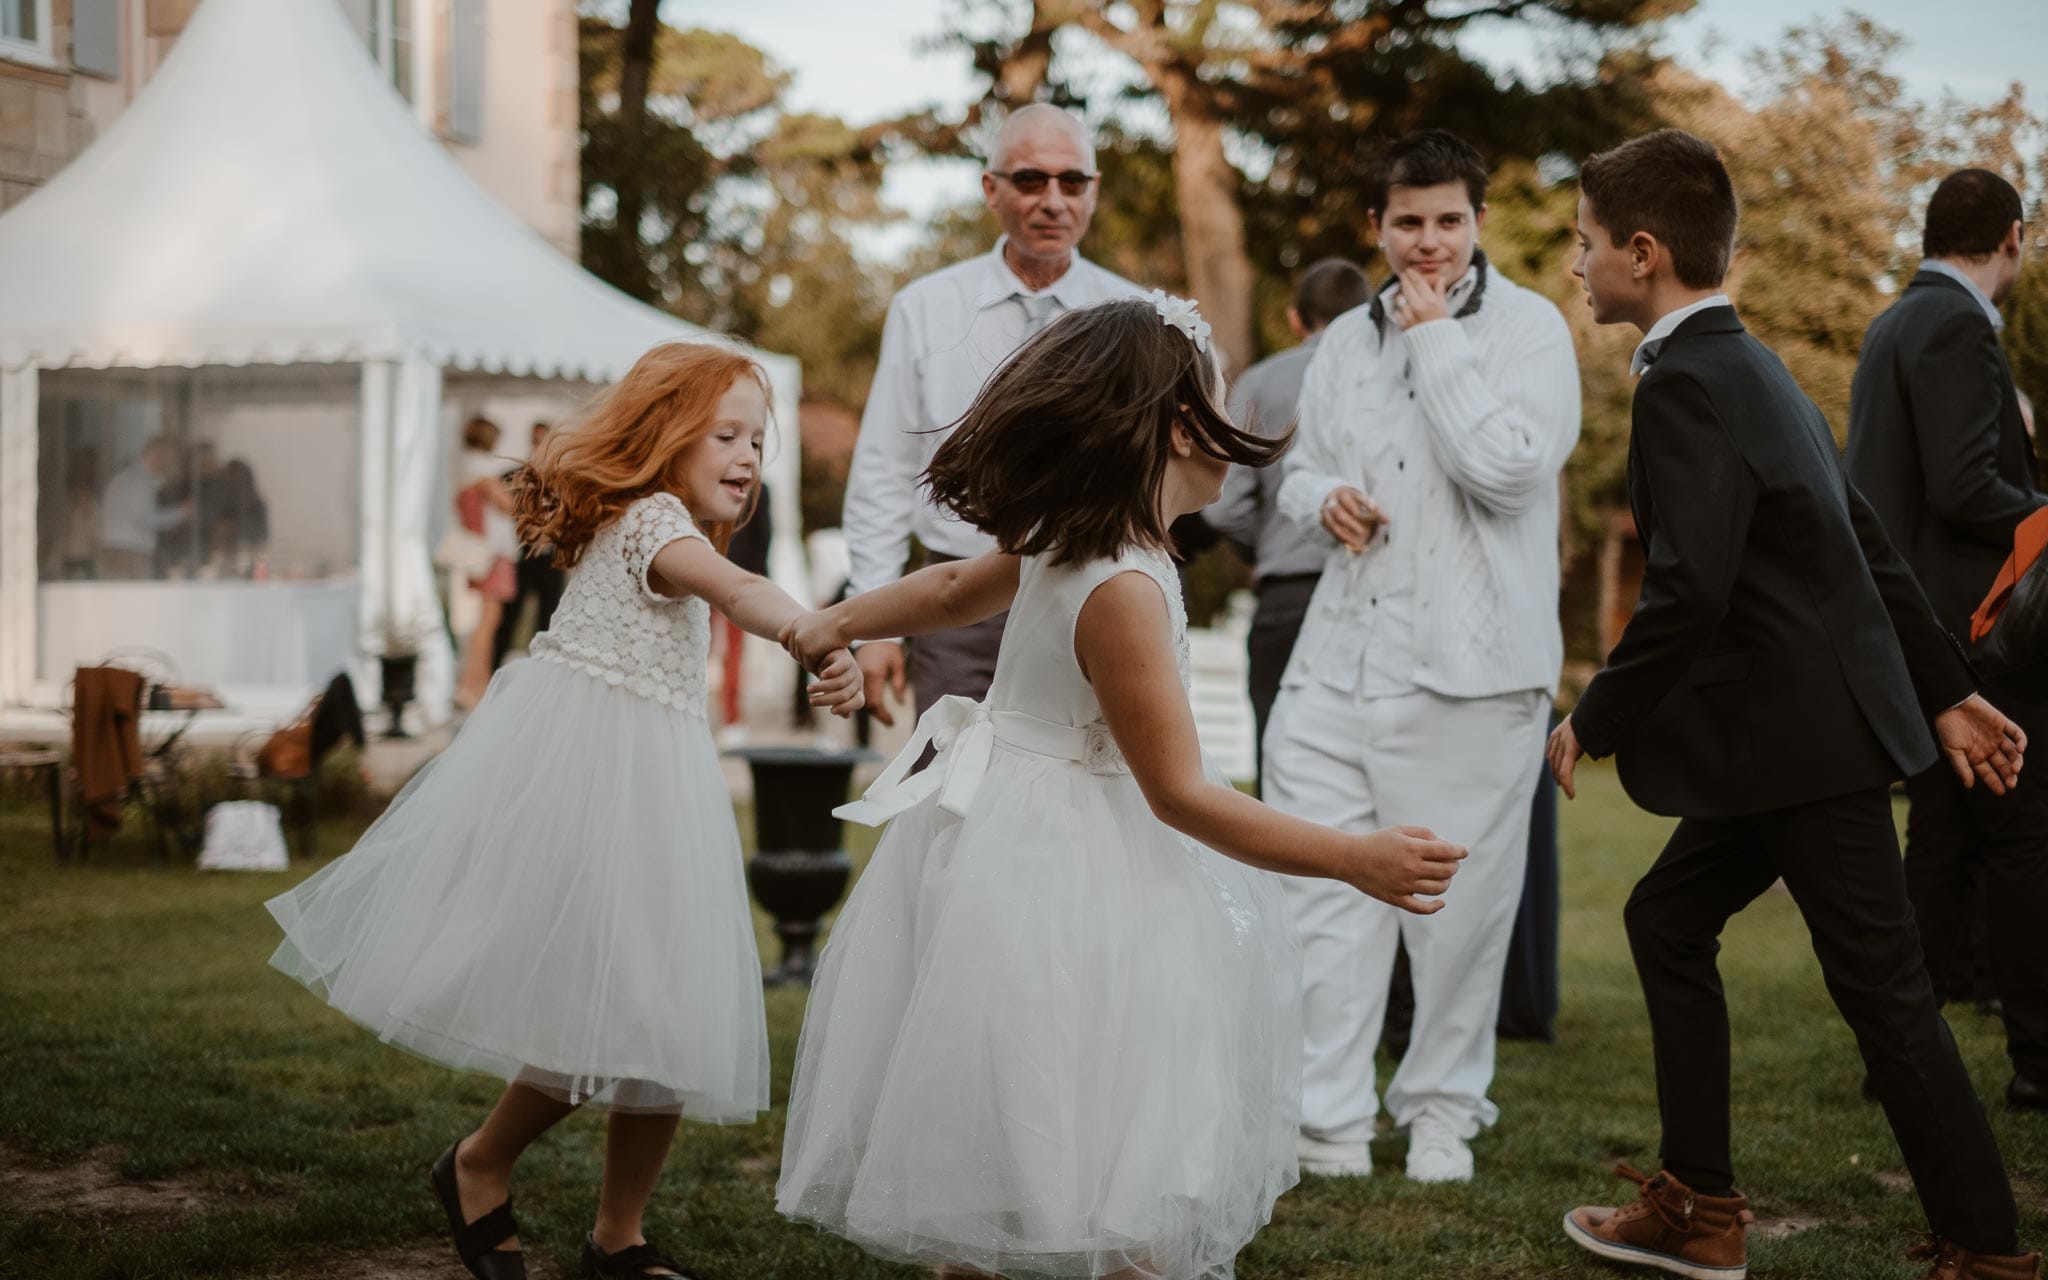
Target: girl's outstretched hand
(812, 638)
(839, 684)
(1398, 865)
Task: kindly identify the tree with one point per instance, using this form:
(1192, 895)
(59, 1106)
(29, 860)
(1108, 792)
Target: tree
(1311, 87)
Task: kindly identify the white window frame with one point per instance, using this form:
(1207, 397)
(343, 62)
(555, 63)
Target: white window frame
(37, 52)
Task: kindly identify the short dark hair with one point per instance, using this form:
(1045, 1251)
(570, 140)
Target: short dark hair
(1328, 289)
(1064, 450)
(1674, 186)
(1969, 214)
(1427, 158)
(480, 433)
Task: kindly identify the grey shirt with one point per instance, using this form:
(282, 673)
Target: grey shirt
(1247, 513)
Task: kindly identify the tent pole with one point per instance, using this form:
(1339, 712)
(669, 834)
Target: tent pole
(18, 482)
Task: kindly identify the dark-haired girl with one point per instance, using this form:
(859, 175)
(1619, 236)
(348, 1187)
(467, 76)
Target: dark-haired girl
(1057, 1030)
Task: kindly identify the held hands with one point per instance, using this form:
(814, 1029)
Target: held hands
(811, 638)
(1352, 518)
(1562, 753)
(838, 685)
(1398, 864)
(1981, 744)
(1423, 298)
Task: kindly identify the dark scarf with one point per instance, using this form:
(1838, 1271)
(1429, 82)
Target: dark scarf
(1471, 307)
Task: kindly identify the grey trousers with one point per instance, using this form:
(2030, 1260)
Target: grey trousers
(961, 661)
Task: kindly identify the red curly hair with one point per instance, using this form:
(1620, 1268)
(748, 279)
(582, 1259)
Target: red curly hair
(628, 445)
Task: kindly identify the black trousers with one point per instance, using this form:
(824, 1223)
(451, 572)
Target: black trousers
(539, 581)
(1840, 859)
(1276, 624)
(1977, 875)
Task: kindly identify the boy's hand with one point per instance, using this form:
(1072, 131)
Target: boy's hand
(1981, 744)
(811, 638)
(1563, 752)
(1398, 864)
(838, 686)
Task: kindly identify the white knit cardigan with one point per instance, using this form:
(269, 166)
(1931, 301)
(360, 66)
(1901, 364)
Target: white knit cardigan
(1496, 398)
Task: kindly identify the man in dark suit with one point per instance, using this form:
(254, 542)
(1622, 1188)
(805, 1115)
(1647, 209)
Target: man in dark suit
(1780, 671)
(1938, 442)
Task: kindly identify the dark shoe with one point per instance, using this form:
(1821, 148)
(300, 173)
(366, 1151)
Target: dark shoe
(1669, 1227)
(1953, 1262)
(476, 1243)
(2026, 1095)
(634, 1262)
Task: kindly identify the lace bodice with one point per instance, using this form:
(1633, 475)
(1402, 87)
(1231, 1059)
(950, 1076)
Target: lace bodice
(612, 625)
(1037, 672)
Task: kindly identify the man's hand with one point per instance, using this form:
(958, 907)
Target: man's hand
(1351, 517)
(1423, 298)
(1981, 744)
(881, 665)
(1562, 753)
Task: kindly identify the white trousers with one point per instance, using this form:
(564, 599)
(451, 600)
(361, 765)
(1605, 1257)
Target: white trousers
(1466, 769)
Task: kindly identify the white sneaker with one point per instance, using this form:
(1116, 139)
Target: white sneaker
(1333, 1159)
(1435, 1151)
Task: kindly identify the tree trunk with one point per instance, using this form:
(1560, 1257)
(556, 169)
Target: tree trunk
(1211, 224)
(636, 69)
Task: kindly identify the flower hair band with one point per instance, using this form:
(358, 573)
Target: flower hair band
(1181, 314)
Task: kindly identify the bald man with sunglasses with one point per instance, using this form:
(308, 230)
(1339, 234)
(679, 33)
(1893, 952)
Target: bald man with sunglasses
(945, 334)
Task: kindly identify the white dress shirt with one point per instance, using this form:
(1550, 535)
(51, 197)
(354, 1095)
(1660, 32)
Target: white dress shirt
(130, 516)
(945, 334)
(1653, 341)
(1457, 428)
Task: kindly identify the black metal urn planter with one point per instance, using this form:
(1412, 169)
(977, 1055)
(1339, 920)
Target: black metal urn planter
(798, 870)
(396, 674)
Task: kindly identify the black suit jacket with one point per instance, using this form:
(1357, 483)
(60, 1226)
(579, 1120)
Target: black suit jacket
(1937, 445)
(1781, 651)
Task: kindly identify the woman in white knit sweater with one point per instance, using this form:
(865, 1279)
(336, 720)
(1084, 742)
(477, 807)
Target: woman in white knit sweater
(1432, 429)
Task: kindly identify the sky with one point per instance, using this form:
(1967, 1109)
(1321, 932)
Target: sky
(864, 60)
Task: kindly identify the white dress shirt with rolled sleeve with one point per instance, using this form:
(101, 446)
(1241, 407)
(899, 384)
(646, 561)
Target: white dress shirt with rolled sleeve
(945, 334)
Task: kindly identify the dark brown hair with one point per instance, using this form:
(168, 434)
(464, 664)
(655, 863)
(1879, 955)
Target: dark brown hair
(1328, 289)
(1969, 215)
(1672, 185)
(1427, 158)
(1065, 449)
(480, 433)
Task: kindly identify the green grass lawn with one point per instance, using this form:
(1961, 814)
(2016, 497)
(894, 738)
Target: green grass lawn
(141, 1034)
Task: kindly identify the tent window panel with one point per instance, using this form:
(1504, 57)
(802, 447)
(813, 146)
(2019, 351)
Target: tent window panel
(466, 71)
(214, 474)
(388, 26)
(96, 37)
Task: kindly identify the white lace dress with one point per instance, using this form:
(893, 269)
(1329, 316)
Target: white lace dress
(558, 898)
(1049, 1034)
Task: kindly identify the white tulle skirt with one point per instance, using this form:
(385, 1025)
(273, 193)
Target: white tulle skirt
(557, 899)
(1055, 1038)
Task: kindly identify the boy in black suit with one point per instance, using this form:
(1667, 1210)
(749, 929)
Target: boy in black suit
(1780, 671)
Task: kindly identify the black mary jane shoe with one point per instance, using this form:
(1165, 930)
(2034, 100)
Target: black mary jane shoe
(634, 1262)
(2026, 1095)
(476, 1243)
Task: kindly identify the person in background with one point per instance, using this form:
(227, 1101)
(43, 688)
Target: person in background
(535, 578)
(1286, 561)
(234, 520)
(748, 550)
(945, 334)
(483, 509)
(1938, 443)
(131, 515)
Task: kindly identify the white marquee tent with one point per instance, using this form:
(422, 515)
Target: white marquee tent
(268, 251)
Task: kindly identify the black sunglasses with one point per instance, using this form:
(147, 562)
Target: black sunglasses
(1030, 182)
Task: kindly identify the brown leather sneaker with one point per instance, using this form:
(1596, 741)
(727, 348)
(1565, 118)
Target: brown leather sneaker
(1953, 1262)
(1669, 1227)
